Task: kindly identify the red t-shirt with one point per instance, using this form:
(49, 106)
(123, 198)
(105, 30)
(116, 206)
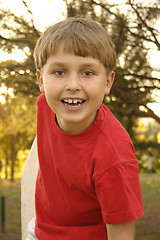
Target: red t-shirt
(86, 180)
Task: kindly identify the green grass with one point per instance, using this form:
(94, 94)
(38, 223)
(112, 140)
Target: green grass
(12, 193)
(147, 228)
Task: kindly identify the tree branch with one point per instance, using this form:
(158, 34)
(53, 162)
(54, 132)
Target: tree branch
(134, 112)
(141, 76)
(145, 24)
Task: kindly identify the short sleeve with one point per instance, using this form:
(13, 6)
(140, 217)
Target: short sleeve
(119, 193)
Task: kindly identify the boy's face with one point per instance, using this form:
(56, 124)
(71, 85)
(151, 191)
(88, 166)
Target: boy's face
(74, 87)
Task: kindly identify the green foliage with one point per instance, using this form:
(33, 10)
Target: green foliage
(147, 145)
(22, 35)
(17, 129)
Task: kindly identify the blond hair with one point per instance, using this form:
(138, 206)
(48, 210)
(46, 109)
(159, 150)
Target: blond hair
(82, 37)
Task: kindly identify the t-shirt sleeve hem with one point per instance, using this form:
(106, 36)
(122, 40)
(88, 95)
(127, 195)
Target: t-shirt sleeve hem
(114, 218)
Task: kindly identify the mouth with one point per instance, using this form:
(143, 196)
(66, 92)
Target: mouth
(73, 102)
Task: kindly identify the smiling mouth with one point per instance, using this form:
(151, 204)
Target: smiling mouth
(73, 102)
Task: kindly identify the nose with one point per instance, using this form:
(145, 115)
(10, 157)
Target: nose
(73, 83)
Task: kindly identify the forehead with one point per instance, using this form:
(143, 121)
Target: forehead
(62, 58)
(62, 49)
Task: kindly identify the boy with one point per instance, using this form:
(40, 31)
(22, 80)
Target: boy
(88, 180)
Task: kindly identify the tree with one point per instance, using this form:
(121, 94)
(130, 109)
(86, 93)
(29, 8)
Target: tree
(17, 129)
(147, 144)
(22, 35)
(1, 165)
(134, 85)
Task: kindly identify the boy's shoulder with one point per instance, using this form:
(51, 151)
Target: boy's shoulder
(113, 133)
(111, 123)
(114, 145)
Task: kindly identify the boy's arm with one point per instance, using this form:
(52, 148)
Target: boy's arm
(121, 231)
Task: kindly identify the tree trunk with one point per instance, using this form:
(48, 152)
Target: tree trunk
(6, 167)
(13, 156)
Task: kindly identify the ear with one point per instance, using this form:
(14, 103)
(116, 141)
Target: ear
(40, 80)
(109, 82)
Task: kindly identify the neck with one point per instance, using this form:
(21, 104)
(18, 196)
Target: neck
(75, 128)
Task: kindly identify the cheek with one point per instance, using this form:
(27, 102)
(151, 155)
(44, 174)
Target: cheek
(51, 88)
(96, 98)
(98, 90)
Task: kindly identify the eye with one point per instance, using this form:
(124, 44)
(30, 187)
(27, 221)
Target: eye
(59, 73)
(88, 73)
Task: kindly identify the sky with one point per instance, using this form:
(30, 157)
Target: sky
(46, 12)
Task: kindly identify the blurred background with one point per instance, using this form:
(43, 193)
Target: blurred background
(134, 26)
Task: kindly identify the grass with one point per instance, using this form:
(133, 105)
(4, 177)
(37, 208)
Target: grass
(12, 194)
(147, 228)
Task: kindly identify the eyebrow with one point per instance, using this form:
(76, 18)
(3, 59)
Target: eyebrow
(61, 64)
(58, 64)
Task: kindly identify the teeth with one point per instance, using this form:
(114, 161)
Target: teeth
(75, 101)
(73, 106)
